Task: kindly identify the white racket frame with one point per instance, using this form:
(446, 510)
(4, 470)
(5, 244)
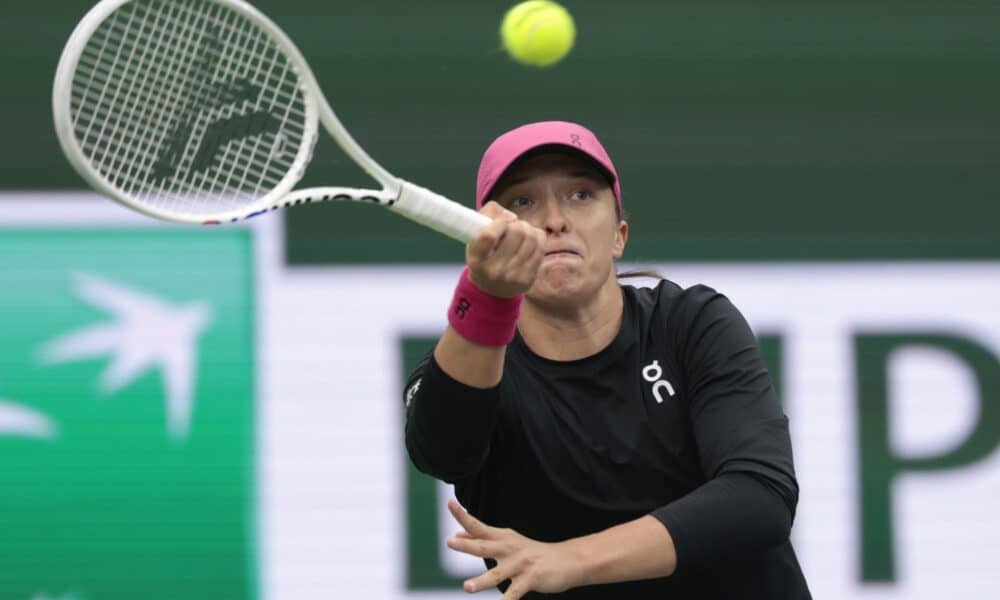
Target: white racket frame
(403, 197)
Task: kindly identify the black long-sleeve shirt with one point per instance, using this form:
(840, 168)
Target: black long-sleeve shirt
(677, 418)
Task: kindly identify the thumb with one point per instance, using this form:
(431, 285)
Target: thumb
(496, 212)
(507, 216)
(486, 240)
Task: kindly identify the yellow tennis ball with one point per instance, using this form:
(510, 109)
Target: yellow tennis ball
(538, 33)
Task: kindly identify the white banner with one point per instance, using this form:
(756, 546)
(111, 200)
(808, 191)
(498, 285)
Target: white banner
(914, 440)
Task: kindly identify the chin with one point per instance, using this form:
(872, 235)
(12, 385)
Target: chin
(558, 283)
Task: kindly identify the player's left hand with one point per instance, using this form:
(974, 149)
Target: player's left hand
(531, 566)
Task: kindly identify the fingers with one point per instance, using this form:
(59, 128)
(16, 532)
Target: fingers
(505, 255)
(511, 266)
(490, 236)
(492, 578)
(499, 240)
(517, 589)
(509, 245)
(494, 211)
(486, 241)
(476, 547)
(531, 251)
(471, 524)
(502, 545)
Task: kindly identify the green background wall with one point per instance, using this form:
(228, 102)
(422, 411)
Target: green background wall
(742, 130)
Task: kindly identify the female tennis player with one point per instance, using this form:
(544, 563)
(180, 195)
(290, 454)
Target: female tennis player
(608, 441)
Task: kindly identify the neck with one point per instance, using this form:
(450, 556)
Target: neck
(573, 332)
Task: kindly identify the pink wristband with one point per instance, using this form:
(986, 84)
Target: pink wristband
(482, 318)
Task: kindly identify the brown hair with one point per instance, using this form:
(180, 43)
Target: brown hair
(649, 274)
(646, 273)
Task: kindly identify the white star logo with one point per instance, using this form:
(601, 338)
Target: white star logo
(147, 332)
(20, 421)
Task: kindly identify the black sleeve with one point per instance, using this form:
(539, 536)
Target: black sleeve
(749, 501)
(449, 425)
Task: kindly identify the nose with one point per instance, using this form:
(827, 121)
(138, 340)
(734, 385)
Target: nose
(554, 218)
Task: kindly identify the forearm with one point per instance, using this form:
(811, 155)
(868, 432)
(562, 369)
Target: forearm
(639, 549)
(735, 514)
(469, 363)
(452, 408)
(449, 424)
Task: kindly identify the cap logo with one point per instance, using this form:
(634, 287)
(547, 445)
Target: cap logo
(575, 140)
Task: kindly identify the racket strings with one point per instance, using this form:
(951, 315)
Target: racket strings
(126, 32)
(138, 93)
(187, 106)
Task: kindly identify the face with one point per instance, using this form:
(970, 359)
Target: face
(565, 195)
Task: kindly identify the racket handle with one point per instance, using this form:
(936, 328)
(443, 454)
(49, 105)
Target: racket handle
(437, 212)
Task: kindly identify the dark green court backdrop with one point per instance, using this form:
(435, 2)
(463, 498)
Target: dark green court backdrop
(742, 130)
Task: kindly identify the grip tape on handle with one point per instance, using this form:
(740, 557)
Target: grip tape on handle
(437, 212)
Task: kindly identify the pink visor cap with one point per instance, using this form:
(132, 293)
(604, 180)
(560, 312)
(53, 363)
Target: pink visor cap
(512, 145)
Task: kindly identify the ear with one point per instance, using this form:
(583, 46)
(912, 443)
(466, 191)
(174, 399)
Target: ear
(621, 238)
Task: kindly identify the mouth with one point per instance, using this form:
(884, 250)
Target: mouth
(562, 253)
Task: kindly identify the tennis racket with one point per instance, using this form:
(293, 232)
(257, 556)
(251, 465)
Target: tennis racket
(203, 111)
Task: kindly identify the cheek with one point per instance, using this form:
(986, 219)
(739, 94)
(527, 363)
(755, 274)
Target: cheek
(602, 246)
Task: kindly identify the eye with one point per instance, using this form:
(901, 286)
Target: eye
(582, 195)
(520, 202)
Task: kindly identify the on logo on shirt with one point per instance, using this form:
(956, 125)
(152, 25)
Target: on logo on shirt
(653, 373)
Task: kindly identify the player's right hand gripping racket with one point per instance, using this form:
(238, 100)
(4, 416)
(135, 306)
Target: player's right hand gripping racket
(203, 111)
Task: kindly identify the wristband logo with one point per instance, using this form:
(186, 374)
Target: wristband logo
(653, 373)
(462, 307)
